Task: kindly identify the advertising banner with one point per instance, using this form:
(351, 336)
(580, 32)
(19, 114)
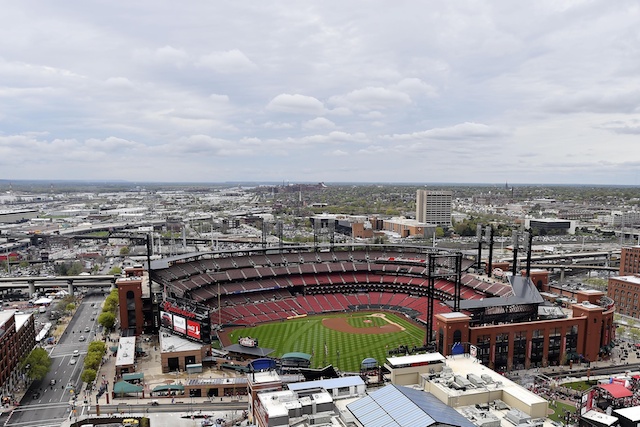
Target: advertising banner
(179, 324)
(193, 329)
(166, 319)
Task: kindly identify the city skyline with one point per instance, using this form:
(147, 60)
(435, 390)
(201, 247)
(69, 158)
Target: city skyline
(490, 92)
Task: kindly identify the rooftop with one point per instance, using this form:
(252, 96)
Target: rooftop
(415, 358)
(126, 351)
(172, 343)
(630, 279)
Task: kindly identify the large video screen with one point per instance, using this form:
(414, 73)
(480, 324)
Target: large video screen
(186, 318)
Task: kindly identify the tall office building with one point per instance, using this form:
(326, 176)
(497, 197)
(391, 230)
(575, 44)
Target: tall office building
(434, 207)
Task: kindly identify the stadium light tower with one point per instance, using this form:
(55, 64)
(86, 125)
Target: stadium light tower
(515, 241)
(486, 238)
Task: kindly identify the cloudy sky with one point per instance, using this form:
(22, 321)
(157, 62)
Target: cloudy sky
(333, 91)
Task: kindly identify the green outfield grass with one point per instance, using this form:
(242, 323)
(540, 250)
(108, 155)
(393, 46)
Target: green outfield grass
(343, 350)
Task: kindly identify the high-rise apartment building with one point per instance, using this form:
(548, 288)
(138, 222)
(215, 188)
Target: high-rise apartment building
(434, 207)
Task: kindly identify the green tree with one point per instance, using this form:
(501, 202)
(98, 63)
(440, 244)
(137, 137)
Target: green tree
(68, 269)
(38, 363)
(97, 347)
(107, 320)
(115, 270)
(88, 375)
(70, 307)
(92, 361)
(124, 251)
(439, 232)
(110, 304)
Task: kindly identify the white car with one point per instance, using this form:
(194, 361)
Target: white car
(76, 353)
(72, 362)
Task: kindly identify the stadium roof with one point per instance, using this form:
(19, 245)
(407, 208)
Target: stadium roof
(398, 406)
(524, 292)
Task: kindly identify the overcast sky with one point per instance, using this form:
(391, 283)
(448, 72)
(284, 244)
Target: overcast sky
(333, 91)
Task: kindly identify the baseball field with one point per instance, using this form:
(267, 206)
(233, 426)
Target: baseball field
(343, 339)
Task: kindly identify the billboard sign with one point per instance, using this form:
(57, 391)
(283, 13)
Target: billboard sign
(193, 329)
(166, 319)
(179, 324)
(186, 318)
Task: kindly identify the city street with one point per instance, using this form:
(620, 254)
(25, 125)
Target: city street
(52, 400)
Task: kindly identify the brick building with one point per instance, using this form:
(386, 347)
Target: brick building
(17, 339)
(630, 261)
(133, 296)
(511, 333)
(624, 289)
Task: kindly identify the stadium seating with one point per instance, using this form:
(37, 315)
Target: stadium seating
(260, 287)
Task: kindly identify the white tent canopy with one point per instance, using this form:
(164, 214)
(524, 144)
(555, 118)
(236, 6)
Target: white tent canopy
(42, 301)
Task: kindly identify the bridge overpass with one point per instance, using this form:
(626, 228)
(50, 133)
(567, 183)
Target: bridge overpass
(35, 283)
(599, 255)
(575, 266)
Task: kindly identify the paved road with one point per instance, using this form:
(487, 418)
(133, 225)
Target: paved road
(49, 404)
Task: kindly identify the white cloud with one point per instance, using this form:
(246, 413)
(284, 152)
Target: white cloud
(318, 123)
(219, 99)
(372, 115)
(118, 83)
(232, 61)
(338, 153)
(167, 55)
(297, 104)
(340, 111)
(462, 131)
(414, 86)
(372, 98)
(278, 125)
(631, 126)
(214, 91)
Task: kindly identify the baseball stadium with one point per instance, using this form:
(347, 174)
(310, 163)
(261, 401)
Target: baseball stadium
(346, 304)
